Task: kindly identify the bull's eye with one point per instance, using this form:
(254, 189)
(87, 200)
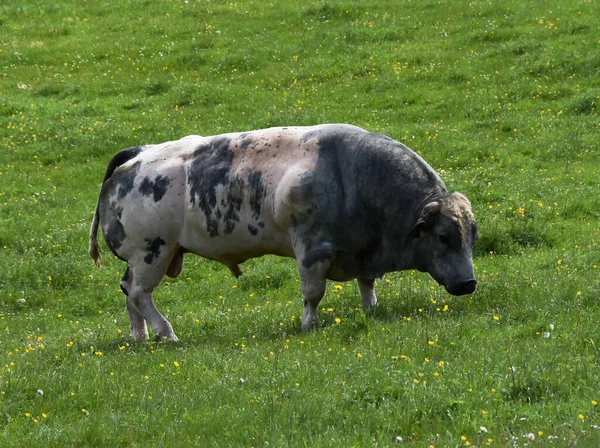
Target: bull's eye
(444, 240)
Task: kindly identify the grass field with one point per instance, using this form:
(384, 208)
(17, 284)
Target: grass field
(500, 97)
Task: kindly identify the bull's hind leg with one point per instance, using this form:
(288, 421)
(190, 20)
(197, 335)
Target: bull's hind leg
(146, 273)
(139, 330)
(141, 301)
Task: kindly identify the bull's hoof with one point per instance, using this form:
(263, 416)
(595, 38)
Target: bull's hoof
(139, 336)
(306, 327)
(369, 310)
(166, 338)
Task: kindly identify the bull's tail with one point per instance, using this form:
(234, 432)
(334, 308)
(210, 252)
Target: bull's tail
(94, 251)
(119, 159)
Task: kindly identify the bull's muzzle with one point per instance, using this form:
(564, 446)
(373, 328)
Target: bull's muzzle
(462, 288)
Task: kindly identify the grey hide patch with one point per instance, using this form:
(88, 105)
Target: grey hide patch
(349, 197)
(209, 168)
(308, 136)
(246, 141)
(125, 179)
(153, 248)
(156, 188)
(317, 251)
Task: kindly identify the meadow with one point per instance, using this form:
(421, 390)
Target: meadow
(501, 98)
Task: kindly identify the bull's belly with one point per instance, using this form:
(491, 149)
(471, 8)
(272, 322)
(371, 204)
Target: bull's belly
(237, 245)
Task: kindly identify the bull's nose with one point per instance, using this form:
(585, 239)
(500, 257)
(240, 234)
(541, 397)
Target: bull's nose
(460, 289)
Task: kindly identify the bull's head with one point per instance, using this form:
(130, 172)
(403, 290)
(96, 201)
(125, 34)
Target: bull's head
(443, 240)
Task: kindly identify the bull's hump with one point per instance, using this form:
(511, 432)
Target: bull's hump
(328, 131)
(284, 137)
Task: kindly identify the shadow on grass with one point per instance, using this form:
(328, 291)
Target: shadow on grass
(210, 335)
(225, 331)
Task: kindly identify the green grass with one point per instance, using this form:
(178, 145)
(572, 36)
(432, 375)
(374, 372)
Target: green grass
(500, 97)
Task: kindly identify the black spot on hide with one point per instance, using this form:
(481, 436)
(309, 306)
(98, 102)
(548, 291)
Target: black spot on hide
(125, 179)
(257, 192)
(157, 188)
(124, 281)
(209, 168)
(113, 231)
(233, 205)
(153, 249)
(253, 230)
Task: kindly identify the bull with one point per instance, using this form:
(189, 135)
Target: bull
(344, 202)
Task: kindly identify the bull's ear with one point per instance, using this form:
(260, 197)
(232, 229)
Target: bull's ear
(426, 219)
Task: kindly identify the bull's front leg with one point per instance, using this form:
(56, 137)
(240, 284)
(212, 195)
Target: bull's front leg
(313, 282)
(367, 293)
(314, 253)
